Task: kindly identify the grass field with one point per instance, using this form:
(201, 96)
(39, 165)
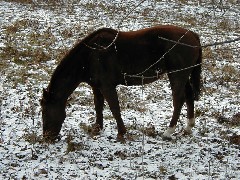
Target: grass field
(34, 37)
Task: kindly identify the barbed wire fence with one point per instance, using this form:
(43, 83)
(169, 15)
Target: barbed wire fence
(175, 43)
(140, 74)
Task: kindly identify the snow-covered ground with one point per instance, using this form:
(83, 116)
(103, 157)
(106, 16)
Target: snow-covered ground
(33, 38)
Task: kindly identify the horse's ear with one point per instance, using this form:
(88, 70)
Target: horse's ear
(45, 94)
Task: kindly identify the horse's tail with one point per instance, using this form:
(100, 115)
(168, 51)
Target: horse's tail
(196, 79)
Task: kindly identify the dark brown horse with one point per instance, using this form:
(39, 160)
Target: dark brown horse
(107, 58)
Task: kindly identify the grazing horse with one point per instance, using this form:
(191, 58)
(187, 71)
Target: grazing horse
(107, 58)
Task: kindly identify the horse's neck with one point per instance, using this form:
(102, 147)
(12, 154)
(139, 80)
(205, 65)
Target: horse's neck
(67, 76)
(62, 88)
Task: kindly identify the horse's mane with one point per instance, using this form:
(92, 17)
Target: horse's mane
(98, 33)
(100, 37)
(89, 41)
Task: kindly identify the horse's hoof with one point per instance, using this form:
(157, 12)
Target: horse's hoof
(95, 130)
(167, 138)
(187, 132)
(121, 138)
(167, 135)
(51, 139)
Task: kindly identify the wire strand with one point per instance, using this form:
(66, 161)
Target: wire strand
(203, 46)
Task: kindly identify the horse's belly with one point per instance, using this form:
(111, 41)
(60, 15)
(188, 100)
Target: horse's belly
(134, 80)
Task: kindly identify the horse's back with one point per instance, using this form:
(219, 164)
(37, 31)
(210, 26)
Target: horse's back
(105, 36)
(170, 32)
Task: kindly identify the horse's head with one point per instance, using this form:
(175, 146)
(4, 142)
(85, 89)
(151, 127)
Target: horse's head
(53, 115)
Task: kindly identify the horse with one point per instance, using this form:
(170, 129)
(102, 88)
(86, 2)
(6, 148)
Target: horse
(107, 58)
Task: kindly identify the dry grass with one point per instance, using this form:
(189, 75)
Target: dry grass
(30, 46)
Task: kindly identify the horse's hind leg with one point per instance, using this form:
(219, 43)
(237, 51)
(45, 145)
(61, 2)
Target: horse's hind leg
(189, 96)
(178, 89)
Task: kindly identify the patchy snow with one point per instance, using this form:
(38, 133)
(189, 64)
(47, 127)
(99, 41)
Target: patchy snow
(206, 153)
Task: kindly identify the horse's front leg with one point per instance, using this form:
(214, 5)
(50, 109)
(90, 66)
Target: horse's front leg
(99, 103)
(111, 96)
